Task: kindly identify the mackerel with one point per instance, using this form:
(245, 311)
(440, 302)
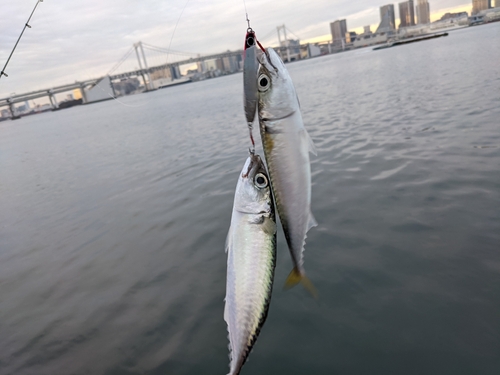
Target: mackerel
(251, 259)
(286, 146)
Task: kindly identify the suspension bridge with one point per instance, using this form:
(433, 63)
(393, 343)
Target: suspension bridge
(145, 67)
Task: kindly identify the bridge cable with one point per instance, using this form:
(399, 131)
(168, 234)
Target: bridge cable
(161, 49)
(121, 61)
(269, 35)
(291, 32)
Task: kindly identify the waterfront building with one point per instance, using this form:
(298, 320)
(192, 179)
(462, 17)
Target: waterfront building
(449, 21)
(492, 14)
(77, 94)
(366, 40)
(125, 86)
(338, 29)
(350, 36)
(387, 18)
(311, 51)
(230, 64)
(479, 5)
(485, 16)
(168, 73)
(406, 14)
(292, 51)
(423, 12)
(200, 65)
(386, 30)
(219, 64)
(212, 65)
(450, 16)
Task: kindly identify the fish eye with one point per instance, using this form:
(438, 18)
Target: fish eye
(264, 82)
(260, 180)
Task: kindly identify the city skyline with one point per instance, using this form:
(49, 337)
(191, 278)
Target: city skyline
(71, 42)
(422, 11)
(388, 11)
(406, 14)
(479, 5)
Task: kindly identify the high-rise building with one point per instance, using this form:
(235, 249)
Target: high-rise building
(423, 12)
(479, 5)
(230, 64)
(338, 29)
(387, 18)
(406, 14)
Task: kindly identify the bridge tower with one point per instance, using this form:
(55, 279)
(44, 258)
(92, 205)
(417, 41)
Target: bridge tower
(285, 42)
(53, 101)
(11, 108)
(144, 70)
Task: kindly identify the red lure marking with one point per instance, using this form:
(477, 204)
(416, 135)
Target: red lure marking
(260, 45)
(251, 138)
(251, 34)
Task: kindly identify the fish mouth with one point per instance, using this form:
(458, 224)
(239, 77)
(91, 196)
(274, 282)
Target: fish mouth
(266, 60)
(253, 166)
(269, 60)
(252, 213)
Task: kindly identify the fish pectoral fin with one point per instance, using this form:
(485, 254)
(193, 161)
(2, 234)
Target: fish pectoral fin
(310, 143)
(226, 314)
(269, 226)
(312, 221)
(296, 277)
(228, 240)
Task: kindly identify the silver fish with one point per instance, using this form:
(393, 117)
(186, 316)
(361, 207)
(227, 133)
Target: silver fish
(251, 259)
(286, 146)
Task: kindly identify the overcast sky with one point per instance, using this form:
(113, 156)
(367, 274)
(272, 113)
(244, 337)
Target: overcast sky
(73, 40)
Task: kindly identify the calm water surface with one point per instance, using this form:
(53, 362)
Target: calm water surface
(113, 219)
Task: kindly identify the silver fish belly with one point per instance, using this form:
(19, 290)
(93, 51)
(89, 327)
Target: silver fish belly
(286, 146)
(251, 259)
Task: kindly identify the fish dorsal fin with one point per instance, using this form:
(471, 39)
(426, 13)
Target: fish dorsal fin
(312, 221)
(312, 148)
(310, 145)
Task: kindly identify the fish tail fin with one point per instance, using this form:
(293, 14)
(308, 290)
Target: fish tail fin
(295, 277)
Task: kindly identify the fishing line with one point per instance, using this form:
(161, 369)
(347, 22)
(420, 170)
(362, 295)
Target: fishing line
(175, 28)
(2, 73)
(166, 61)
(245, 5)
(246, 14)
